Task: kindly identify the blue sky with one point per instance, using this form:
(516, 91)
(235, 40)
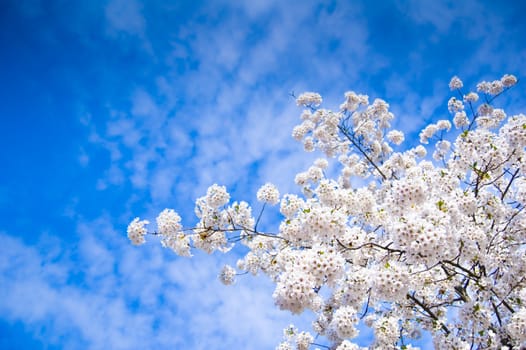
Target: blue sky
(120, 108)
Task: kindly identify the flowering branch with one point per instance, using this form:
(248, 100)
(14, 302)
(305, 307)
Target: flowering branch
(425, 243)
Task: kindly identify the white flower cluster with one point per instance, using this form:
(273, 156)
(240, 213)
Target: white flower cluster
(347, 345)
(441, 149)
(455, 105)
(295, 291)
(309, 99)
(514, 131)
(386, 331)
(395, 136)
(408, 193)
(344, 322)
(455, 83)
(169, 222)
(471, 97)
(353, 101)
(461, 119)
(304, 340)
(136, 231)
(321, 264)
(391, 282)
(517, 326)
(227, 275)
(290, 204)
(169, 226)
(268, 193)
(400, 242)
(295, 340)
(217, 196)
(495, 87)
(430, 130)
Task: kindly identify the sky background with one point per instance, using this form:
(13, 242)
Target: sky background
(120, 108)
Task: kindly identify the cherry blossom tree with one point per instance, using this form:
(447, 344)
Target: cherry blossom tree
(431, 239)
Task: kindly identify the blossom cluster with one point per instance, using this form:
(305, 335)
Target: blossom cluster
(268, 194)
(398, 241)
(137, 230)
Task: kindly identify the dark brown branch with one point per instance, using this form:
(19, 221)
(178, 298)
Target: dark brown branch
(359, 148)
(509, 185)
(428, 311)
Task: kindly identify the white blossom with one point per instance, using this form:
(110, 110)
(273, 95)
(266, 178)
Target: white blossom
(321, 163)
(268, 193)
(304, 341)
(455, 105)
(444, 125)
(460, 119)
(395, 136)
(344, 322)
(347, 345)
(508, 80)
(455, 83)
(179, 243)
(290, 204)
(136, 231)
(227, 275)
(428, 132)
(471, 97)
(517, 326)
(309, 99)
(217, 196)
(420, 151)
(169, 222)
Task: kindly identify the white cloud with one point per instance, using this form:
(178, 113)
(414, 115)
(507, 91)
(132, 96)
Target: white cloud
(109, 294)
(236, 121)
(127, 26)
(125, 16)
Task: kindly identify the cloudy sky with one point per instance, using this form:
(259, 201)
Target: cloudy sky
(119, 108)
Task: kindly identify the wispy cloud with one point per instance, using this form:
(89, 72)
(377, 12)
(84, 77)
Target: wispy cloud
(234, 98)
(107, 294)
(125, 16)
